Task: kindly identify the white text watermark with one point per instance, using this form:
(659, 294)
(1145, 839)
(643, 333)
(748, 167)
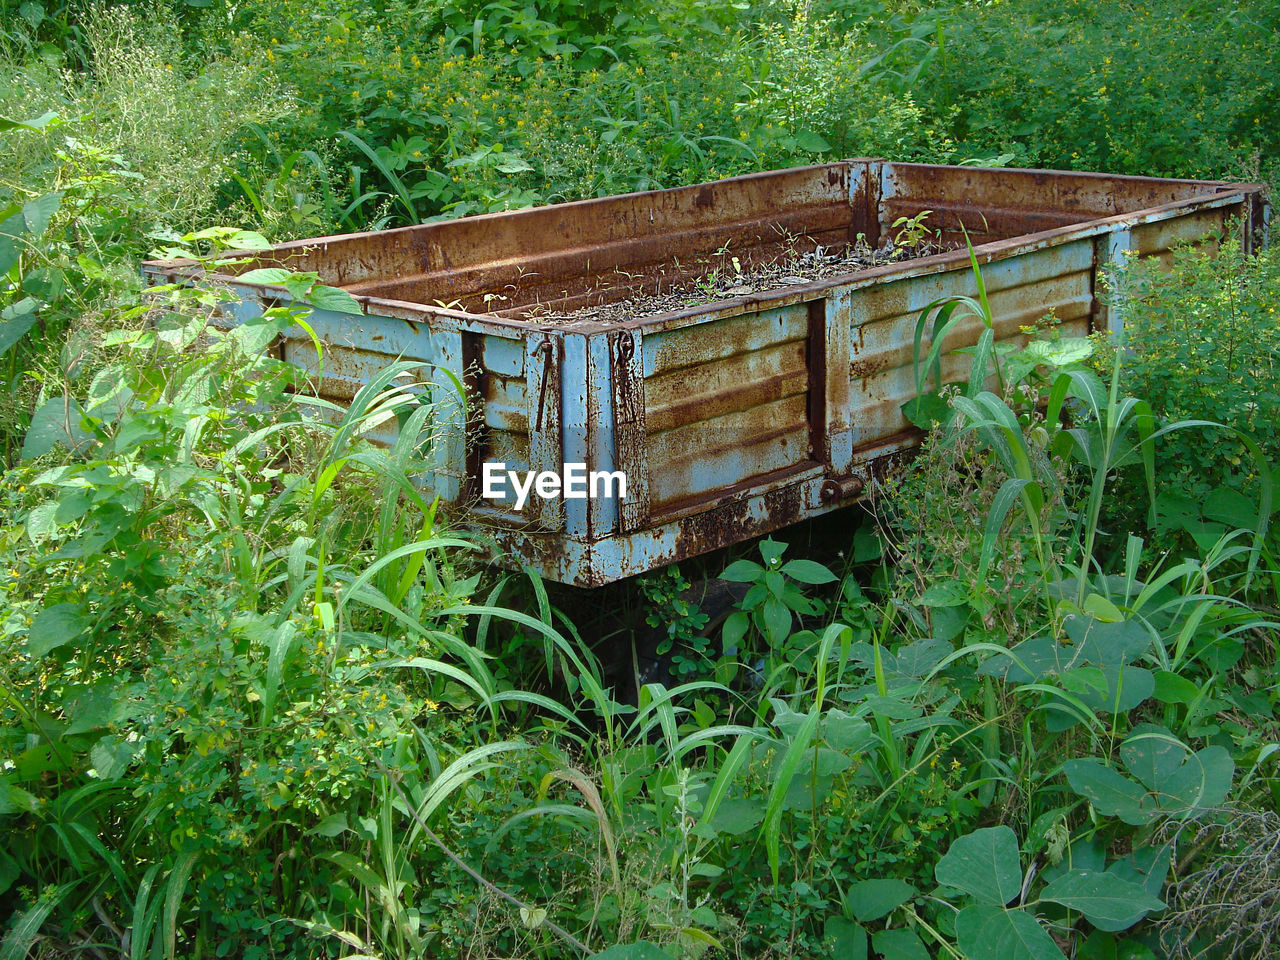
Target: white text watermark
(573, 482)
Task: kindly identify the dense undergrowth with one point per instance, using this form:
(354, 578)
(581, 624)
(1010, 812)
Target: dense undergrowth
(258, 700)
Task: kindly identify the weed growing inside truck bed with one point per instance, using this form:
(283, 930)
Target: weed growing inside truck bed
(726, 279)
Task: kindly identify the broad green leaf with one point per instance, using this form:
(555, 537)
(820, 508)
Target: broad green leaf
(90, 708)
(332, 298)
(992, 933)
(38, 212)
(110, 757)
(917, 659)
(866, 546)
(15, 320)
(890, 707)
(926, 410)
(742, 571)
(734, 629)
(811, 142)
(1100, 608)
(1100, 945)
(1114, 689)
(36, 123)
(984, 864)
(56, 626)
(1108, 901)
(899, 945)
(13, 799)
(849, 939)
(1153, 754)
(807, 571)
(771, 550)
(1110, 793)
(330, 826)
(1035, 658)
(738, 815)
(31, 12)
(777, 620)
(1172, 688)
(947, 593)
(268, 275)
(10, 251)
(1107, 643)
(1203, 781)
(1061, 352)
(42, 521)
(1232, 508)
(49, 428)
(1178, 780)
(872, 899)
(1147, 866)
(10, 871)
(846, 733)
(513, 164)
(245, 240)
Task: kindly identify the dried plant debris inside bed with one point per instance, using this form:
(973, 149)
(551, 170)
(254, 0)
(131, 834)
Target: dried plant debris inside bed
(734, 280)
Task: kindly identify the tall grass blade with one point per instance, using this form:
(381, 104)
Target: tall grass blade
(402, 192)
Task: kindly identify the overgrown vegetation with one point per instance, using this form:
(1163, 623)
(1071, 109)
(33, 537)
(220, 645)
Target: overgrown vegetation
(256, 700)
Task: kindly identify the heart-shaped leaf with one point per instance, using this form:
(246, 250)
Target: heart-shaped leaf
(56, 626)
(1106, 643)
(38, 212)
(15, 320)
(984, 932)
(333, 298)
(984, 864)
(1111, 794)
(849, 939)
(947, 593)
(899, 945)
(1107, 900)
(1178, 780)
(872, 899)
(272, 275)
(1153, 754)
(1203, 781)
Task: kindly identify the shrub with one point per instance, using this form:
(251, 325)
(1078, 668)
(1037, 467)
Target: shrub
(1202, 344)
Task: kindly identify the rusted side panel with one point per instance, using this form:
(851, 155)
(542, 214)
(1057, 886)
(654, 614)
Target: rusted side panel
(735, 447)
(1021, 290)
(631, 450)
(726, 400)
(604, 511)
(498, 423)
(714, 388)
(1158, 239)
(542, 414)
(574, 425)
(997, 203)
(487, 263)
(355, 348)
(832, 423)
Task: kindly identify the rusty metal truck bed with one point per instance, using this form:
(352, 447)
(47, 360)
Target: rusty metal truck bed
(733, 417)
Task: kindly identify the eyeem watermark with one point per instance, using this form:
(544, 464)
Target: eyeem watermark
(574, 482)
